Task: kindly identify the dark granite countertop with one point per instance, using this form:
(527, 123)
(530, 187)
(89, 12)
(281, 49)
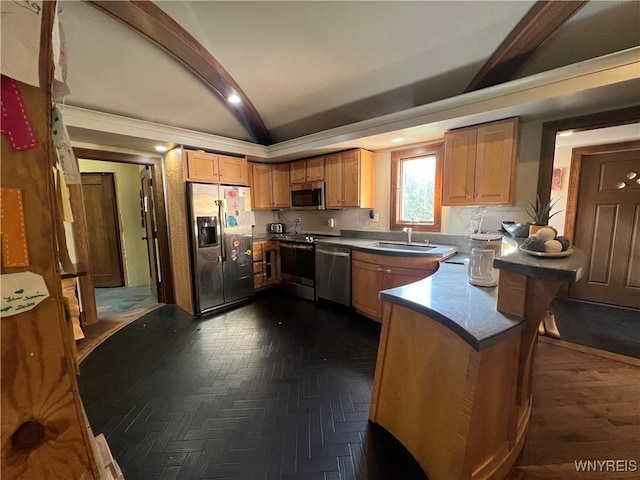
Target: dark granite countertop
(467, 310)
(470, 311)
(566, 269)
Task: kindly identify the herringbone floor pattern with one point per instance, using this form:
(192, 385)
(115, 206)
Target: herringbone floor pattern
(276, 389)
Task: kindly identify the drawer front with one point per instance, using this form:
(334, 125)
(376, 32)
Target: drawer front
(258, 251)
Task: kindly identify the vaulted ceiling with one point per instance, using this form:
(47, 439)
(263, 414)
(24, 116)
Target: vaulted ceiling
(308, 67)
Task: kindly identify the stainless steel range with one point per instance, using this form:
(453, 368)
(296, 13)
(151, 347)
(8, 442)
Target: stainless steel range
(298, 264)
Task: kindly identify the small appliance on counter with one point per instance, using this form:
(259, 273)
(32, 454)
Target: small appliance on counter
(481, 271)
(490, 240)
(276, 228)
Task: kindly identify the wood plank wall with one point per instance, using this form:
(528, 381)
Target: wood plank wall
(178, 234)
(44, 434)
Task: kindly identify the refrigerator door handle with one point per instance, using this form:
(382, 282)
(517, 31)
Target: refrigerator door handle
(221, 223)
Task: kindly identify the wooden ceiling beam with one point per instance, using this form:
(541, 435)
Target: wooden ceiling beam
(538, 24)
(150, 21)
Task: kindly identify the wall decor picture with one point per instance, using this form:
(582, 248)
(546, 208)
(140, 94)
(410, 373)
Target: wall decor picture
(556, 180)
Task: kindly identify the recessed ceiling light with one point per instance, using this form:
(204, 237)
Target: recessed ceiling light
(233, 98)
(567, 133)
(161, 148)
(397, 139)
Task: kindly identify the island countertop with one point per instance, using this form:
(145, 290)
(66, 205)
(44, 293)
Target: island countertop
(470, 311)
(467, 310)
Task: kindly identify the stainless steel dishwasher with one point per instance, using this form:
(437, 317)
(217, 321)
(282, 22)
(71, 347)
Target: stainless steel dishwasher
(333, 274)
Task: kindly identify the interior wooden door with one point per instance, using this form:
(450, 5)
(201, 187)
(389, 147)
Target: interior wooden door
(151, 233)
(607, 227)
(103, 229)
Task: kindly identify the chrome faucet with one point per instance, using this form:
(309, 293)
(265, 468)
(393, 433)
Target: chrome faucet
(408, 230)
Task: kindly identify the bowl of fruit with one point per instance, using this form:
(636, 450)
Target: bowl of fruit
(547, 243)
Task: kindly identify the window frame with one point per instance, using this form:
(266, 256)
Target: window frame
(397, 157)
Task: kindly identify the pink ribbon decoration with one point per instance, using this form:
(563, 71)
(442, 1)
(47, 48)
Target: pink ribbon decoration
(15, 124)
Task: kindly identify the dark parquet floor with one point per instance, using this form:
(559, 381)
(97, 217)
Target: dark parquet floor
(276, 389)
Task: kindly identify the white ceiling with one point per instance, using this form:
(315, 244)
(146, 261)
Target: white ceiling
(318, 69)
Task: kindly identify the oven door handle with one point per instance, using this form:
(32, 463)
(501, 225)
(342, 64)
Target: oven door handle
(299, 247)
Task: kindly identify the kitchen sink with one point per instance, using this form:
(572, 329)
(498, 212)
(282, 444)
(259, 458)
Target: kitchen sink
(412, 247)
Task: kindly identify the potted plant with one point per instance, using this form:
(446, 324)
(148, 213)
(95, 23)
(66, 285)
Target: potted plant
(540, 213)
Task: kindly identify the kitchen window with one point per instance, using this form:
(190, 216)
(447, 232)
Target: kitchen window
(416, 187)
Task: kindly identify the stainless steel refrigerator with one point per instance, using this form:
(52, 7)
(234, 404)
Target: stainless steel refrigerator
(221, 244)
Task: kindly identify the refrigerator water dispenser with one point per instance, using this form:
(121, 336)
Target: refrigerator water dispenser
(207, 231)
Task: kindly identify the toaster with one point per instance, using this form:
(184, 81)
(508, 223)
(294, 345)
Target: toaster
(276, 228)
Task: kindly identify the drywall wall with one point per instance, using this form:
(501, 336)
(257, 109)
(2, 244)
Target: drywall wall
(127, 179)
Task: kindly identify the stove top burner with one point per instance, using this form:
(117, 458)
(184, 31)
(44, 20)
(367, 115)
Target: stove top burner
(301, 238)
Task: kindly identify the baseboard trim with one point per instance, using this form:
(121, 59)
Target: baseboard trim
(591, 351)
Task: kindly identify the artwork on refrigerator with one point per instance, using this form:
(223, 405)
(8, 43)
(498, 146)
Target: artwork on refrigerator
(221, 245)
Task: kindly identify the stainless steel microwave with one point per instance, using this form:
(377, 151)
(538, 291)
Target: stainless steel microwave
(307, 196)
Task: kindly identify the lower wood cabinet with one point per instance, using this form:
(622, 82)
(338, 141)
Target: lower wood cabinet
(371, 273)
(265, 264)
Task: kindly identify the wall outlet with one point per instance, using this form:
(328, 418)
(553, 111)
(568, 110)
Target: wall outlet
(376, 217)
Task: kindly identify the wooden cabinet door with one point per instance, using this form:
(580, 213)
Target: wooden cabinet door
(495, 165)
(366, 282)
(351, 179)
(261, 187)
(202, 167)
(233, 170)
(333, 181)
(281, 190)
(459, 167)
(297, 171)
(315, 169)
(398, 276)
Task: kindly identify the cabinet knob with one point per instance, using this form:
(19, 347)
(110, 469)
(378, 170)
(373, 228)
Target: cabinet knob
(388, 270)
(379, 269)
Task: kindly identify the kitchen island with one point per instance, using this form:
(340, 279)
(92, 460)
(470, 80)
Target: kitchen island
(455, 362)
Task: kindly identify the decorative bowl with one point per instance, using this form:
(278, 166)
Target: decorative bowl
(566, 253)
(516, 229)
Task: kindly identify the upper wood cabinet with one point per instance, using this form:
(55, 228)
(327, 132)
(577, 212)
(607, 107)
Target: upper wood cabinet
(309, 170)
(480, 164)
(270, 186)
(349, 178)
(212, 168)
